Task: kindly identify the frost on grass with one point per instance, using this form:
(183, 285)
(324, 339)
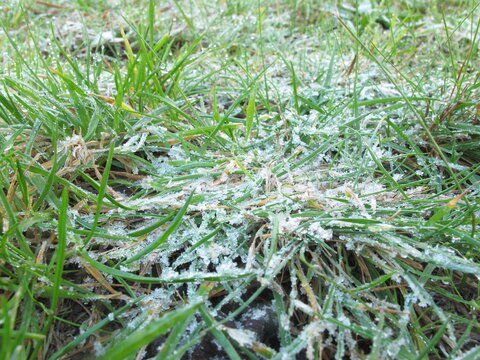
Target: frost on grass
(337, 209)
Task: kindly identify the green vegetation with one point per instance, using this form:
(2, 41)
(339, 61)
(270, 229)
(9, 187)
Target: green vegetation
(279, 179)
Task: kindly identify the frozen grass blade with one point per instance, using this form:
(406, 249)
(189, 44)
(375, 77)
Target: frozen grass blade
(219, 335)
(74, 343)
(133, 343)
(173, 226)
(101, 192)
(418, 115)
(59, 263)
(60, 253)
(144, 335)
(178, 331)
(9, 215)
(436, 338)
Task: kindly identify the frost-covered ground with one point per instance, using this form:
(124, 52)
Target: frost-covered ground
(239, 180)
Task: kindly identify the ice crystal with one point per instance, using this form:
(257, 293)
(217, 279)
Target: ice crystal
(135, 143)
(318, 231)
(177, 153)
(288, 224)
(160, 299)
(243, 337)
(98, 348)
(285, 322)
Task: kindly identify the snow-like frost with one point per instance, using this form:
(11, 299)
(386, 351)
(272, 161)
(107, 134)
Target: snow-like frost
(318, 231)
(244, 337)
(98, 348)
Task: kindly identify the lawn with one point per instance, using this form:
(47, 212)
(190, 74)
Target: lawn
(239, 179)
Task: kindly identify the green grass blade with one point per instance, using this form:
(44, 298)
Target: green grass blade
(101, 192)
(145, 335)
(250, 113)
(164, 237)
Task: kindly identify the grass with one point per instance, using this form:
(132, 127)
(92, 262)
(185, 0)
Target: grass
(245, 179)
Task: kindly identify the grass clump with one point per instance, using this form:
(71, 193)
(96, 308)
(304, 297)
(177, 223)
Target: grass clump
(250, 180)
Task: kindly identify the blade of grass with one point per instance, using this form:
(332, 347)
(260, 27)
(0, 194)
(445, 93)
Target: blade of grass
(164, 237)
(92, 330)
(168, 346)
(250, 113)
(148, 333)
(101, 192)
(414, 109)
(59, 258)
(219, 336)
